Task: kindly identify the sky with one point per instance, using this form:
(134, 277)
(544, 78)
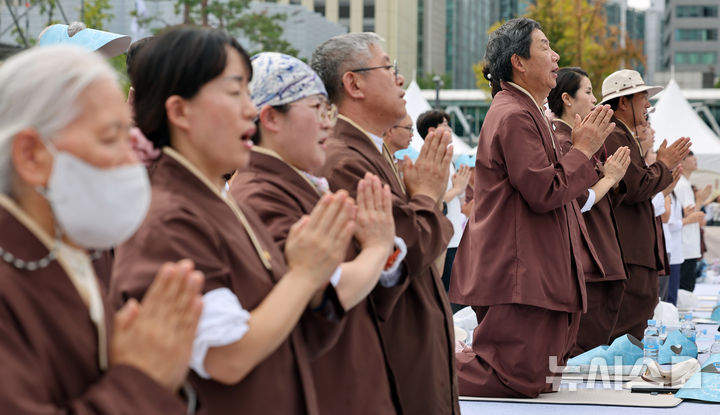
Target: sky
(639, 4)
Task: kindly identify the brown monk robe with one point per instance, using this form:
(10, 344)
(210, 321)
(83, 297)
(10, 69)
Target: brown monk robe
(604, 289)
(519, 260)
(350, 378)
(190, 219)
(415, 322)
(49, 346)
(638, 234)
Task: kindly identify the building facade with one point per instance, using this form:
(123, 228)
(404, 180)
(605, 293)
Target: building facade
(690, 41)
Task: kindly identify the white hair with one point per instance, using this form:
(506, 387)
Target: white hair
(39, 89)
(340, 54)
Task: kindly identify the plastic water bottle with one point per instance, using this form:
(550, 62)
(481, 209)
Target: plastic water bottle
(715, 348)
(651, 341)
(687, 327)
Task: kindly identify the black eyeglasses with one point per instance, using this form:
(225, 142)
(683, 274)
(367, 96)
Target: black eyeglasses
(411, 128)
(394, 67)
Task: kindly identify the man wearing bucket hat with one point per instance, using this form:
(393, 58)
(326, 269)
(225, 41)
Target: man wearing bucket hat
(107, 44)
(626, 93)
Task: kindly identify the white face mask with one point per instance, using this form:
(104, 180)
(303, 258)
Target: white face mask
(97, 208)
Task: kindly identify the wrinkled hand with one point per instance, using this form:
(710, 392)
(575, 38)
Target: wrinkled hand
(156, 336)
(375, 225)
(461, 178)
(676, 173)
(616, 165)
(673, 154)
(318, 242)
(429, 174)
(590, 133)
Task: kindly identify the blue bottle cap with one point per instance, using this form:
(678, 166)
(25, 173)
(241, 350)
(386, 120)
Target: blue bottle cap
(651, 322)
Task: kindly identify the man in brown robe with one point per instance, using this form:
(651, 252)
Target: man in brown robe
(519, 261)
(414, 316)
(627, 94)
(605, 280)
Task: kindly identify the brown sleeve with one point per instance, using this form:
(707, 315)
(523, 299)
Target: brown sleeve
(121, 390)
(278, 210)
(544, 185)
(176, 236)
(641, 182)
(418, 221)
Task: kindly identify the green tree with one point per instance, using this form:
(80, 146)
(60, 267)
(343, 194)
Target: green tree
(264, 31)
(578, 31)
(427, 82)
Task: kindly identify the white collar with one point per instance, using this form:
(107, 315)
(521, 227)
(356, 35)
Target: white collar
(378, 141)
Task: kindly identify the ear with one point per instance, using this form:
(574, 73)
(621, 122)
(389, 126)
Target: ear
(270, 118)
(565, 98)
(431, 130)
(177, 110)
(352, 85)
(517, 63)
(624, 103)
(31, 159)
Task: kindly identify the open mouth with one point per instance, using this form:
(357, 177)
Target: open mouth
(247, 136)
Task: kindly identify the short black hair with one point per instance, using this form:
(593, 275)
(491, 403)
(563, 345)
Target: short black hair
(133, 51)
(614, 103)
(178, 62)
(514, 37)
(568, 80)
(430, 119)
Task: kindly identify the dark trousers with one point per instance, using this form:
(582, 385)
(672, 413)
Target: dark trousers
(639, 301)
(447, 271)
(688, 274)
(673, 284)
(514, 350)
(603, 305)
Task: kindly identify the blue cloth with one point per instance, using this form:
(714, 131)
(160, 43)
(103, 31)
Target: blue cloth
(687, 348)
(281, 79)
(465, 160)
(625, 347)
(715, 313)
(704, 385)
(410, 152)
(109, 44)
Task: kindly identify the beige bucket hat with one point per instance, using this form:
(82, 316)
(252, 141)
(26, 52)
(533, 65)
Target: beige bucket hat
(625, 82)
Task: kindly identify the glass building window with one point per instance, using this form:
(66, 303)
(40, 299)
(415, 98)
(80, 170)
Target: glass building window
(696, 11)
(696, 34)
(695, 58)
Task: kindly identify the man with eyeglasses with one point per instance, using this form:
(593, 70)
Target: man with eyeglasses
(414, 318)
(399, 136)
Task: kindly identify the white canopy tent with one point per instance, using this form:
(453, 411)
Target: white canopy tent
(415, 105)
(674, 118)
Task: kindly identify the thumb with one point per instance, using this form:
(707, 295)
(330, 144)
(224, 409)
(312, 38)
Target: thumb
(125, 316)
(663, 146)
(578, 121)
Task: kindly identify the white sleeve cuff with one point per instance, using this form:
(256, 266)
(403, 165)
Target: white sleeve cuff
(391, 277)
(590, 201)
(335, 278)
(223, 321)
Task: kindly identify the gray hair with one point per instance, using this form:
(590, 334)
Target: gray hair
(514, 37)
(39, 89)
(340, 54)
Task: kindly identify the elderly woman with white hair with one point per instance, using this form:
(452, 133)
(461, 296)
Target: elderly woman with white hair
(69, 184)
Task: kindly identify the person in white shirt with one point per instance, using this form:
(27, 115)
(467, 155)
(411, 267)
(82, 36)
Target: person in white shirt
(690, 229)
